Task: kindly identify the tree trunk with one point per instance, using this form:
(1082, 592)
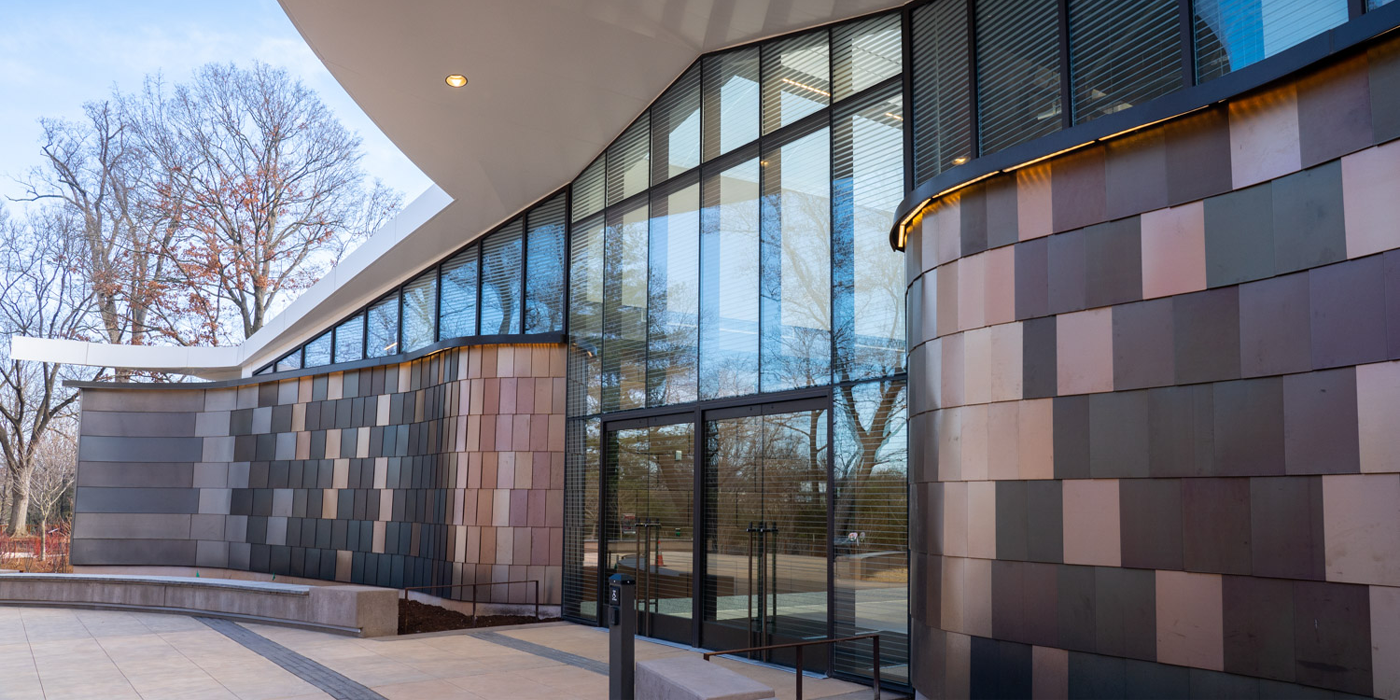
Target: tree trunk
(18, 525)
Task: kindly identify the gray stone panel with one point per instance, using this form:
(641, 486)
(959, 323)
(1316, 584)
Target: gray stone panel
(133, 552)
(125, 424)
(154, 401)
(136, 500)
(157, 474)
(130, 449)
(1240, 236)
(141, 526)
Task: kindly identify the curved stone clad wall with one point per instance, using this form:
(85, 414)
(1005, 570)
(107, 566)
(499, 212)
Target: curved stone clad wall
(446, 469)
(1156, 408)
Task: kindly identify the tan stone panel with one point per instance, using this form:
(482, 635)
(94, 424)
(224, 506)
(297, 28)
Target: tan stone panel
(1036, 451)
(1006, 359)
(1190, 628)
(952, 594)
(982, 523)
(1003, 442)
(1264, 137)
(342, 566)
(954, 520)
(977, 366)
(974, 443)
(947, 290)
(948, 218)
(1173, 251)
(335, 386)
(972, 292)
(1360, 524)
(958, 667)
(328, 503)
(977, 596)
(1377, 413)
(1033, 202)
(1369, 200)
(928, 307)
(949, 424)
(952, 371)
(341, 474)
(1385, 642)
(386, 506)
(1091, 525)
(1084, 351)
(999, 303)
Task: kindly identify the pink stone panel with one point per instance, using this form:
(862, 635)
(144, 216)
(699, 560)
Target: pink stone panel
(1361, 528)
(1002, 440)
(977, 597)
(1091, 525)
(1033, 208)
(1173, 251)
(1049, 673)
(1084, 351)
(949, 424)
(974, 443)
(951, 595)
(953, 371)
(972, 292)
(1377, 409)
(977, 366)
(1190, 628)
(1264, 137)
(982, 521)
(947, 283)
(1385, 641)
(957, 677)
(1369, 201)
(954, 522)
(949, 222)
(999, 305)
(1036, 451)
(1006, 360)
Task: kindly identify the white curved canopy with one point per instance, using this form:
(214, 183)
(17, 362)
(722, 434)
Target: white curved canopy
(551, 83)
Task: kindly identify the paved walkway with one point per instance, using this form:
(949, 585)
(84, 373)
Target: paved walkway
(56, 654)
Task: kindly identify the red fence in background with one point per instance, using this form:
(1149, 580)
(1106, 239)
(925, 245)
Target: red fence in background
(33, 554)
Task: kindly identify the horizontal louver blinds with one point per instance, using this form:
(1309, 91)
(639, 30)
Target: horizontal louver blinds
(590, 190)
(941, 87)
(458, 303)
(627, 164)
(419, 300)
(501, 283)
(350, 339)
(796, 79)
(675, 128)
(318, 351)
(382, 337)
(731, 101)
(1231, 34)
(865, 53)
(544, 270)
(1018, 71)
(1122, 53)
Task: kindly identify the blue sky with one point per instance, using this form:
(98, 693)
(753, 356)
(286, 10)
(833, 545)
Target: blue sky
(57, 54)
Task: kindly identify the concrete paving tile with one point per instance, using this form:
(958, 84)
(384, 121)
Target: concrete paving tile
(425, 690)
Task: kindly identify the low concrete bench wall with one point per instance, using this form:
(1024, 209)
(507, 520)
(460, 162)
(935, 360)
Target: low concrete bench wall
(691, 678)
(365, 611)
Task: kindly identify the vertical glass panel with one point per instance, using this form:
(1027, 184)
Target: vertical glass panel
(868, 276)
(865, 53)
(585, 317)
(590, 189)
(795, 258)
(1018, 71)
(673, 291)
(796, 79)
(419, 300)
(628, 165)
(730, 101)
(871, 533)
(383, 333)
(625, 310)
(290, 362)
(350, 339)
(581, 486)
(459, 283)
(500, 281)
(675, 128)
(729, 282)
(1122, 53)
(942, 88)
(1231, 34)
(1373, 4)
(544, 284)
(318, 351)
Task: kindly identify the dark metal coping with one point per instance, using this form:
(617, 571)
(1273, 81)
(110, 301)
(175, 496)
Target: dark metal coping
(451, 343)
(1338, 40)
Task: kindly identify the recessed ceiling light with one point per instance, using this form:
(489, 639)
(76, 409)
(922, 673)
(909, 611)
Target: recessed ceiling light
(959, 160)
(456, 80)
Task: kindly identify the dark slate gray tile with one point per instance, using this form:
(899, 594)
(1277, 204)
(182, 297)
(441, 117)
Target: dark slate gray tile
(132, 552)
(1039, 374)
(1125, 612)
(1013, 670)
(1077, 189)
(1002, 220)
(1384, 61)
(1143, 345)
(972, 218)
(1042, 624)
(282, 418)
(1150, 522)
(267, 394)
(141, 449)
(1239, 236)
(1207, 335)
(1097, 677)
(1392, 303)
(1071, 429)
(1332, 630)
(1181, 431)
(1067, 272)
(1309, 226)
(1348, 313)
(1286, 529)
(1045, 521)
(1214, 685)
(1136, 168)
(132, 425)
(1011, 533)
(1147, 680)
(1032, 281)
(1113, 262)
(1275, 326)
(1249, 427)
(1319, 414)
(1334, 111)
(1118, 442)
(241, 422)
(139, 399)
(93, 499)
(1215, 521)
(1258, 625)
(983, 669)
(1077, 599)
(1198, 155)
(1008, 600)
(157, 474)
(1278, 690)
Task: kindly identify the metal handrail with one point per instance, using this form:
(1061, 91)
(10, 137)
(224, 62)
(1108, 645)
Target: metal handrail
(874, 653)
(474, 586)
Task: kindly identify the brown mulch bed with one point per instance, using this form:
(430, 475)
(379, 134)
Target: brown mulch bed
(415, 617)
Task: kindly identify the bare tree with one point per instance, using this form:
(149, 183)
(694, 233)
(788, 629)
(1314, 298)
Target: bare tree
(42, 295)
(52, 481)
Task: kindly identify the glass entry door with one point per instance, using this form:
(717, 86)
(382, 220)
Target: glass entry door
(651, 522)
(766, 535)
